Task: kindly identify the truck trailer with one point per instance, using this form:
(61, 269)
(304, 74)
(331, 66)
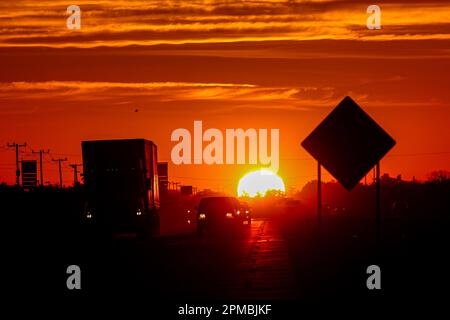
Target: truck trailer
(121, 186)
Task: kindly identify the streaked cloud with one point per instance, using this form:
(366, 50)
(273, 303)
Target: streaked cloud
(160, 92)
(152, 22)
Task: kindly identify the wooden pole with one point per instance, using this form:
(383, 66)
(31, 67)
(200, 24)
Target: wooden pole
(378, 205)
(319, 197)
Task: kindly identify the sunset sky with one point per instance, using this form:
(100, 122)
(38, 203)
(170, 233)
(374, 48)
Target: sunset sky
(232, 64)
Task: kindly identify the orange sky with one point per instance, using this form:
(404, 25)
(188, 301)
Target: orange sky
(231, 64)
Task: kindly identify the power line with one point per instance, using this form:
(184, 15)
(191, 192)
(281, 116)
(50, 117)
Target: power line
(66, 154)
(418, 154)
(393, 155)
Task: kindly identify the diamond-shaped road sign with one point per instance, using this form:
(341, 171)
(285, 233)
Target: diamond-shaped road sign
(348, 143)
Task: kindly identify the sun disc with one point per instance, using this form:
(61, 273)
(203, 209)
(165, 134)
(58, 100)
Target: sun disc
(259, 183)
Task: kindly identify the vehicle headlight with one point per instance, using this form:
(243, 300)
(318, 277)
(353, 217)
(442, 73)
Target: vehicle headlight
(238, 212)
(87, 213)
(229, 215)
(201, 216)
(246, 211)
(138, 212)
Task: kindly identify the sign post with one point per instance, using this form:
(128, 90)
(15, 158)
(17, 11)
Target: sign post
(348, 143)
(378, 204)
(163, 176)
(29, 174)
(319, 198)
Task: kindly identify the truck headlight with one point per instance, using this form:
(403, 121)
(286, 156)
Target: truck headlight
(201, 216)
(88, 215)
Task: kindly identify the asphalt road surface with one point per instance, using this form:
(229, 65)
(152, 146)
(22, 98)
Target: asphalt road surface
(247, 263)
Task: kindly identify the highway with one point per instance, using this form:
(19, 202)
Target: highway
(248, 263)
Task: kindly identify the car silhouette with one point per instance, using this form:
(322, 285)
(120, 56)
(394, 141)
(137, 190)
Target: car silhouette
(220, 212)
(244, 213)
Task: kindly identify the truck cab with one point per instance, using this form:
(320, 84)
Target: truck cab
(121, 184)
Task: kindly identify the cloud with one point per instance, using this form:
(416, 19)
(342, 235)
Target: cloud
(209, 97)
(121, 23)
(158, 91)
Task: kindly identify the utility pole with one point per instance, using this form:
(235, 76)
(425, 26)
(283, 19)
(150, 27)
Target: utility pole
(17, 146)
(75, 166)
(41, 152)
(319, 199)
(378, 204)
(60, 170)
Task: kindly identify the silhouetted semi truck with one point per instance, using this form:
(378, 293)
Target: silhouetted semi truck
(121, 183)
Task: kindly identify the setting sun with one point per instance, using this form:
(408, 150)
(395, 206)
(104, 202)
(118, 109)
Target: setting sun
(259, 182)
